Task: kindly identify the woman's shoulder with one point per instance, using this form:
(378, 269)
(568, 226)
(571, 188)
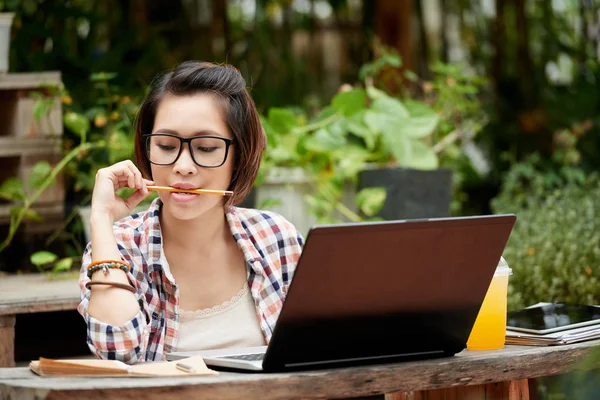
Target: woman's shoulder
(262, 220)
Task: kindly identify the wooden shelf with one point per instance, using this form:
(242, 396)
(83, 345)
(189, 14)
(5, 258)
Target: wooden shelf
(25, 140)
(15, 146)
(28, 80)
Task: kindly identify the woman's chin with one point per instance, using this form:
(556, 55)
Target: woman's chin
(189, 210)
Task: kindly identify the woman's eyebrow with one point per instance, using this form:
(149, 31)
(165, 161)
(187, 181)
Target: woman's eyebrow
(205, 132)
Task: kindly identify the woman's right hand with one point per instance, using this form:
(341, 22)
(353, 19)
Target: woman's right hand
(108, 180)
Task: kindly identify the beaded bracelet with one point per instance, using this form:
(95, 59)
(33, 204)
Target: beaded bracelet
(113, 284)
(105, 265)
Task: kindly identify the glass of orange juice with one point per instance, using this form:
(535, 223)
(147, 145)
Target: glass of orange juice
(489, 330)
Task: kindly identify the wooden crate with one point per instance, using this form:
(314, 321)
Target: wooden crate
(16, 106)
(24, 141)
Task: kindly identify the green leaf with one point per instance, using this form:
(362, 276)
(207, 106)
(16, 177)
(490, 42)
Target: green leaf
(92, 112)
(39, 109)
(398, 145)
(325, 113)
(120, 146)
(411, 76)
(357, 125)
(352, 159)
(32, 215)
(12, 190)
(42, 257)
(324, 140)
(40, 171)
(350, 102)
(422, 156)
(372, 121)
(102, 76)
(423, 120)
(77, 123)
(375, 93)
(370, 200)
(390, 107)
(419, 127)
(269, 131)
(282, 120)
(63, 265)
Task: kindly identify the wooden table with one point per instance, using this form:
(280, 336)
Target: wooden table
(501, 374)
(22, 294)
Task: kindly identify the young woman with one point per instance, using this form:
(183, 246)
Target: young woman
(193, 272)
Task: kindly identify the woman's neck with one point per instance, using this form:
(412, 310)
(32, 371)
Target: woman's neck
(198, 235)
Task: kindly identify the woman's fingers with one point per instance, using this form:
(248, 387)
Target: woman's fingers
(136, 198)
(125, 174)
(136, 179)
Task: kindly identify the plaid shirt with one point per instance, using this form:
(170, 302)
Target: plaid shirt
(271, 247)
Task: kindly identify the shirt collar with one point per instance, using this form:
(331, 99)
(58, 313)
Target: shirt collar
(240, 229)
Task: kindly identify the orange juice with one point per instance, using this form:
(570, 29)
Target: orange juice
(489, 330)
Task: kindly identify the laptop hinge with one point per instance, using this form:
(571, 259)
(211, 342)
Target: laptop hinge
(370, 358)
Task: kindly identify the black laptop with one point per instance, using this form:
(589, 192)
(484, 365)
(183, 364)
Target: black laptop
(378, 292)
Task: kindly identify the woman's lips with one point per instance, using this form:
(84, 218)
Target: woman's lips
(183, 197)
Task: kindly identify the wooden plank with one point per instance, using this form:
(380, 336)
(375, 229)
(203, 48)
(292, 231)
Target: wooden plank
(28, 80)
(7, 341)
(20, 294)
(474, 368)
(17, 146)
(512, 390)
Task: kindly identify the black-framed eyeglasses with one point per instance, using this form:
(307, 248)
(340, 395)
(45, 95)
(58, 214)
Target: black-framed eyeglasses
(206, 151)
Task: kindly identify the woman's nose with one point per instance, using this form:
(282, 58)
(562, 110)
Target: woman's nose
(185, 165)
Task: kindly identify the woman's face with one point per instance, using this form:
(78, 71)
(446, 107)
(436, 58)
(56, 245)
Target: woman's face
(196, 116)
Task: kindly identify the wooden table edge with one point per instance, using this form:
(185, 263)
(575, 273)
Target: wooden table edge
(335, 383)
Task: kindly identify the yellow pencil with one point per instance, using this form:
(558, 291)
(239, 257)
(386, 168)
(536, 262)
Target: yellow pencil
(193, 191)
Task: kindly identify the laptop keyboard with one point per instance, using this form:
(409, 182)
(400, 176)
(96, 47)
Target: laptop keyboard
(247, 357)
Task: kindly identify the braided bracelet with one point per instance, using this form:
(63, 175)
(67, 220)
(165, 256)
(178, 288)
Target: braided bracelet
(105, 265)
(114, 284)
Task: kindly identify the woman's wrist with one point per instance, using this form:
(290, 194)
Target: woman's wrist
(114, 275)
(101, 215)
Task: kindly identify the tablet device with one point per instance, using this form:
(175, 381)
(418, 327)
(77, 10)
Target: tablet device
(552, 317)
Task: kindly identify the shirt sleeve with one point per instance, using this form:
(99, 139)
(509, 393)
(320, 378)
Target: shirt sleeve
(290, 254)
(127, 342)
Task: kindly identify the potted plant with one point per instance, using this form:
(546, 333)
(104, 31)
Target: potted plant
(7, 14)
(303, 175)
(287, 173)
(100, 136)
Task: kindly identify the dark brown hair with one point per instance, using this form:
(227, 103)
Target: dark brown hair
(225, 84)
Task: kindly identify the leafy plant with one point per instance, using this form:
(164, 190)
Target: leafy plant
(554, 249)
(98, 136)
(9, 5)
(366, 126)
(454, 93)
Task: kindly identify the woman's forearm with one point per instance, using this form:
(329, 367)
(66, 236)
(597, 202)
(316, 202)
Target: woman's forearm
(111, 305)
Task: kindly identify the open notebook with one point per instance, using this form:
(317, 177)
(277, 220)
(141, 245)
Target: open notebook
(192, 366)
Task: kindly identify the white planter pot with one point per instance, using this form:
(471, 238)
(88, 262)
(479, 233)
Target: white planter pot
(6, 20)
(289, 186)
